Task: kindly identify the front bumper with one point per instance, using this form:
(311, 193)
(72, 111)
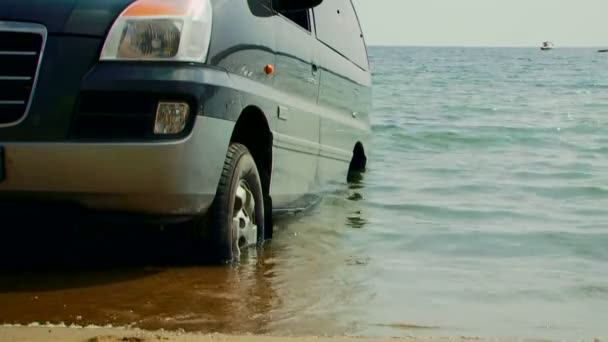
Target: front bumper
(161, 178)
(45, 161)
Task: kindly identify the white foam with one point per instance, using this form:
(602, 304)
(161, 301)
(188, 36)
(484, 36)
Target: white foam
(64, 325)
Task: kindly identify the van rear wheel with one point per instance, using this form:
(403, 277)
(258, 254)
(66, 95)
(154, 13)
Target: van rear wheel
(236, 217)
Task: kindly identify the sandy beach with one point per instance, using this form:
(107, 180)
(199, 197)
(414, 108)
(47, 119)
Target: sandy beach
(69, 334)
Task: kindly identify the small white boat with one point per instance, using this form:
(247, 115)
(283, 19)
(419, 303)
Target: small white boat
(546, 46)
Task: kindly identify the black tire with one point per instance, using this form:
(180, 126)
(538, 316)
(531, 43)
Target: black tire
(239, 165)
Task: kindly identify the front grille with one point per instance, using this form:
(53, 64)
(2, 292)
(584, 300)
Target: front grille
(21, 46)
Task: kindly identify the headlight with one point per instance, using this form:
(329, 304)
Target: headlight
(161, 30)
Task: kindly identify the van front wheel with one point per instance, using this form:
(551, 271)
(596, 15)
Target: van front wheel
(236, 217)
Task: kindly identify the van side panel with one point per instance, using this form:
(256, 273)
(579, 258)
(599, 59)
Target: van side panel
(296, 138)
(253, 38)
(345, 89)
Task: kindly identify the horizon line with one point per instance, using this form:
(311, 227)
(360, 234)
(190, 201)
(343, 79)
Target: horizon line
(489, 46)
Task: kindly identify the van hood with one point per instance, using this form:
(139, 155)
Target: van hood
(80, 17)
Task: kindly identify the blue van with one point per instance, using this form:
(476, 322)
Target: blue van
(216, 114)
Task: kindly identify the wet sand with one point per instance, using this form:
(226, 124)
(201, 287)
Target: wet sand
(39, 334)
(57, 269)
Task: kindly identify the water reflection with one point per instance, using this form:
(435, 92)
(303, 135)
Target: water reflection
(302, 282)
(356, 187)
(355, 197)
(356, 221)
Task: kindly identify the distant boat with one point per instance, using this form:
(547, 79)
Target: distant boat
(604, 50)
(546, 46)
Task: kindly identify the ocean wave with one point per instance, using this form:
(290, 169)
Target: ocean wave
(490, 244)
(567, 191)
(588, 291)
(437, 211)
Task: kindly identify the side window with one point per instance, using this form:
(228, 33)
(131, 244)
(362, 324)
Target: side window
(337, 26)
(300, 17)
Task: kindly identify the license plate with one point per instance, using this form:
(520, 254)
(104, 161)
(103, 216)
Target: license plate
(2, 172)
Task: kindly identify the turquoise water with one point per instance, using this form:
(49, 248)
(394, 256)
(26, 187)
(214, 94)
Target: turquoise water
(484, 211)
(483, 214)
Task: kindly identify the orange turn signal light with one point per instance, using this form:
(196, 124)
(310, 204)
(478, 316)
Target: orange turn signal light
(157, 7)
(269, 69)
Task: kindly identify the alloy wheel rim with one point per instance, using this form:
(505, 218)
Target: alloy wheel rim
(244, 226)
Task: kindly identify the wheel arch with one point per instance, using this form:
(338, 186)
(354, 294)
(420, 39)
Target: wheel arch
(358, 163)
(253, 130)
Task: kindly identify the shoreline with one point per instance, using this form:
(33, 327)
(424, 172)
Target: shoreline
(40, 333)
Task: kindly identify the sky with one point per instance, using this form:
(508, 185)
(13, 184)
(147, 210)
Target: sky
(566, 23)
